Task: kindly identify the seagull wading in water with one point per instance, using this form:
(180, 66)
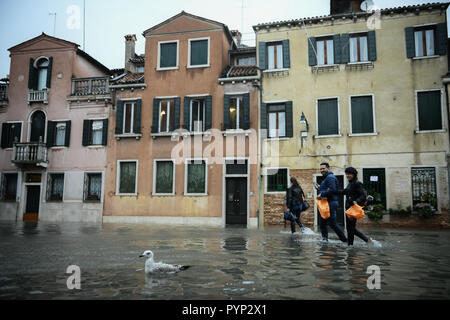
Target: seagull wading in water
(153, 267)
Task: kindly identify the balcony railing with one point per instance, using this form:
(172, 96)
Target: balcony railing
(90, 86)
(30, 153)
(3, 92)
(38, 96)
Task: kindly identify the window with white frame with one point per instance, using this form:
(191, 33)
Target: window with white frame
(197, 115)
(93, 187)
(276, 115)
(168, 55)
(166, 115)
(42, 66)
(362, 115)
(127, 177)
(246, 61)
(164, 183)
(359, 51)
(325, 51)
(236, 112)
(199, 52)
(327, 117)
(55, 187)
(429, 110)
(275, 55)
(60, 139)
(196, 177)
(425, 41)
(277, 179)
(97, 133)
(129, 113)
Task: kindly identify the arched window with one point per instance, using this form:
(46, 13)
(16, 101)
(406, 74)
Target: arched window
(40, 73)
(42, 66)
(38, 124)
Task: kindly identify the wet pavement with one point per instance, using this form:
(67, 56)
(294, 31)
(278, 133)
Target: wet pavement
(228, 263)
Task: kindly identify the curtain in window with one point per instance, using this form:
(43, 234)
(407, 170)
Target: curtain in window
(330, 52)
(168, 55)
(60, 134)
(430, 42)
(271, 57)
(272, 124)
(353, 49)
(196, 179)
(95, 186)
(233, 113)
(279, 56)
(57, 185)
(199, 52)
(97, 128)
(164, 177)
(127, 177)
(363, 49)
(320, 52)
(163, 115)
(419, 43)
(282, 124)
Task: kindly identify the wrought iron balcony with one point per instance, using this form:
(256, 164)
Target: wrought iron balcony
(38, 96)
(98, 86)
(30, 153)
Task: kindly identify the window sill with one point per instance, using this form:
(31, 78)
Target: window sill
(167, 69)
(92, 201)
(326, 67)
(366, 65)
(127, 136)
(199, 66)
(363, 134)
(328, 136)
(96, 147)
(275, 70)
(58, 148)
(195, 194)
(236, 132)
(430, 131)
(126, 194)
(277, 139)
(163, 194)
(426, 57)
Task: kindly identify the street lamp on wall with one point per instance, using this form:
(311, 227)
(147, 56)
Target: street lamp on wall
(304, 126)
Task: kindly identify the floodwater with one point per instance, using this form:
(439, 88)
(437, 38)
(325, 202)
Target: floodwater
(230, 263)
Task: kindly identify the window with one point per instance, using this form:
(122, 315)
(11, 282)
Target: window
(199, 52)
(166, 116)
(429, 110)
(128, 119)
(247, 61)
(275, 55)
(42, 66)
(196, 177)
(424, 187)
(362, 115)
(164, 183)
(95, 132)
(93, 187)
(325, 51)
(197, 115)
(358, 48)
(277, 180)
(10, 133)
(60, 134)
(424, 39)
(168, 55)
(328, 117)
(55, 187)
(9, 187)
(127, 178)
(277, 121)
(236, 113)
(97, 129)
(139, 69)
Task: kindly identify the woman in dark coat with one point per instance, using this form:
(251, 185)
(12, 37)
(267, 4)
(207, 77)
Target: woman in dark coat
(355, 195)
(294, 203)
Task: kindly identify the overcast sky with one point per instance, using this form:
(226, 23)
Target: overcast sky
(107, 21)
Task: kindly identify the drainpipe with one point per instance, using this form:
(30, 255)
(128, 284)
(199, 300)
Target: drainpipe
(260, 167)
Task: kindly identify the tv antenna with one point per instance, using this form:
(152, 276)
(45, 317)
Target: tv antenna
(54, 22)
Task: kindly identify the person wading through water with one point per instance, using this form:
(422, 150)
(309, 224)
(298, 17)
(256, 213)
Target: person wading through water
(355, 194)
(328, 189)
(294, 203)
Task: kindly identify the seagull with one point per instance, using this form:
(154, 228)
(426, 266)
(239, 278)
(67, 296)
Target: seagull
(153, 267)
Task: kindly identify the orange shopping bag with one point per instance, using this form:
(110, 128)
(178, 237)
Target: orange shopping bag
(355, 211)
(324, 208)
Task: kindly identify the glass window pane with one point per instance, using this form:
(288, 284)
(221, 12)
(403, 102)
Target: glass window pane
(127, 178)
(281, 124)
(273, 125)
(353, 49)
(279, 56)
(164, 177)
(164, 109)
(97, 137)
(128, 120)
(233, 113)
(320, 52)
(430, 42)
(94, 186)
(241, 113)
(277, 180)
(271, 57)
(56, 187)
(196, 177)
(418, 37)
(330, 52)
(168, 53)
(199, 52)
(60, 134)
(42, 81)
(363, 49)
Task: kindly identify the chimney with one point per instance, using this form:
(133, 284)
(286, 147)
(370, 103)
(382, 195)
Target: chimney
(345, 6)
(237, 36)
(130, 51)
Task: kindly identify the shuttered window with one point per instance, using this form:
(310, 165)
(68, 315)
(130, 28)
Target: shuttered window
(10, 133)
(9, 187)
(277, 180)
(359, 48)
(279, 120)
(237, 112)
(275, 55)
(328, 117)
(199, 52)
(426, 41)
(93, 187)
(325, 51)
(95, 132)
(362, 115)
(127, 176)
(168, 55)
(55, 187)
(429, 110)
(196, 176)
(164, 177)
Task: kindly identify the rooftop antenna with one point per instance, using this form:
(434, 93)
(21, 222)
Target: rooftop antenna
(54, 22)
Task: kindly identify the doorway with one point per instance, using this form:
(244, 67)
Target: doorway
(32, 203)
(37, 131)
(340, 214)
(236, 201)
(375, 184)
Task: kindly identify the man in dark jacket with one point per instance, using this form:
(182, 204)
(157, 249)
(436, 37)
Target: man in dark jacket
(328, 189)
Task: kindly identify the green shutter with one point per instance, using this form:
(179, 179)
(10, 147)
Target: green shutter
(155, 118)
(17, 132)
(345, 48)
(441, 39)
(119, 117)
(137, 117)
(168, 55)
(372, 45)
(51, 128)
(68, 129)
(327, 116)
(87, 128)
(199, 52)
(208, 113)
(246, 110)
(32, 76)
(312, 54)
(263, 116)
(286, 54)
(105, 133)
(410, 43)
(176, 120)
(362, 115)
(289, 120)
(262, 55)
(337, 48)
(226, 112)
(187, 113)
(430, 110)
(49, 72)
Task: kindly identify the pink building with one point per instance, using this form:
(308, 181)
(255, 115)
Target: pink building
(54, 120)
